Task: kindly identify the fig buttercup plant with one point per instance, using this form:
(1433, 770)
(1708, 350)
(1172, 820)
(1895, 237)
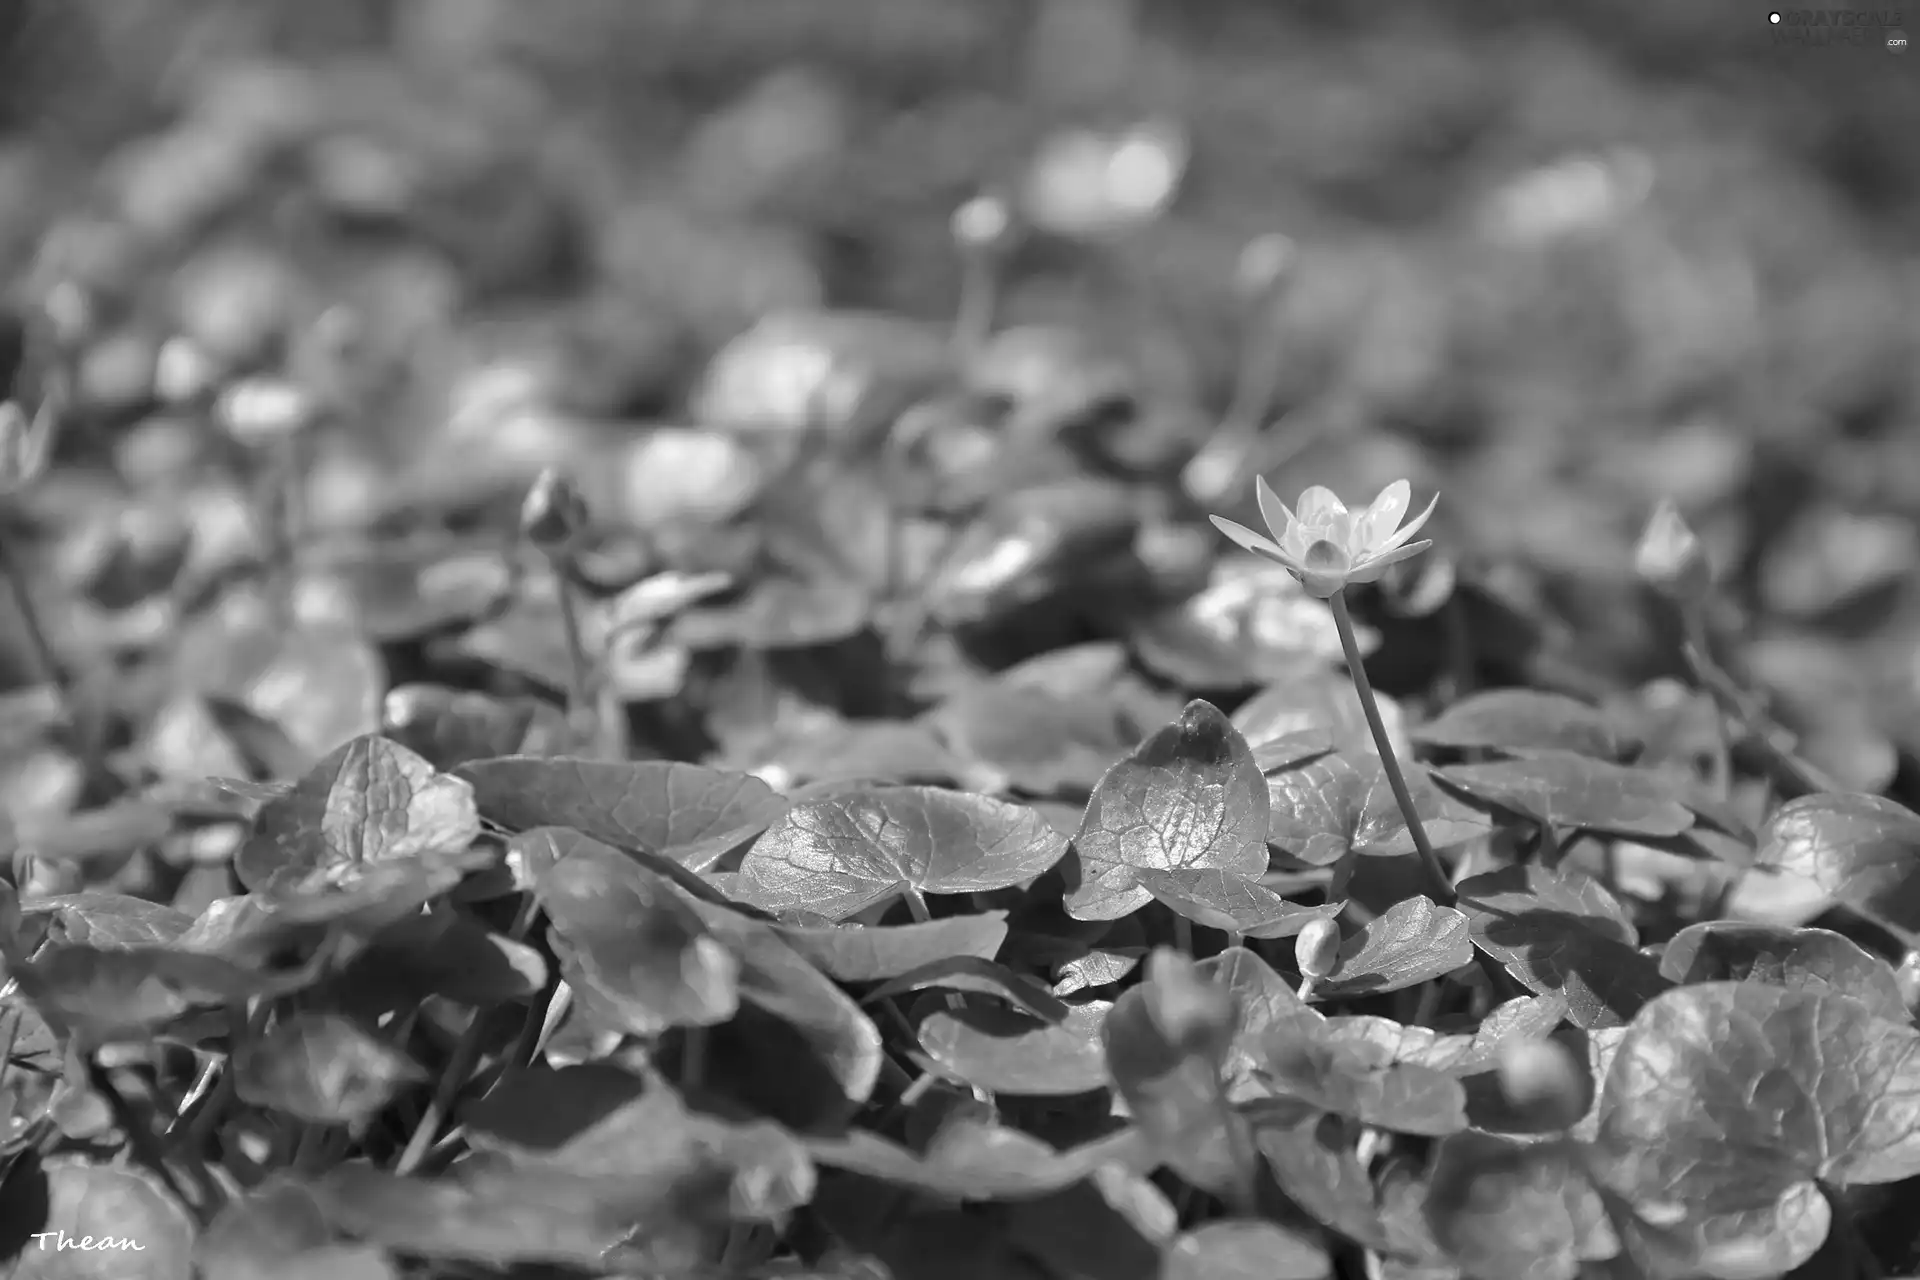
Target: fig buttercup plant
(1326, 547)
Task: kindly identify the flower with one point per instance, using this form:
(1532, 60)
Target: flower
(1325, 546)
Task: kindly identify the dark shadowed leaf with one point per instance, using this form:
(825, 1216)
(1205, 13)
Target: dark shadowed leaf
(1461, 1054)
(1815, 960)
(108, 996)
(371, 801)
(107, 1203)
(404, 592)
(104, 920)
(544, 1108)
(1340, 804)
(1003, 1051)
(1188, 798)
(1522, 720)
(1570, 790)
(1415, 941)
(1171, 1090)
(631, 939)
(680, 811)
(1244, 1249)
(1862, 850)
(1303, 1059)
(439, 952)
(838, 856)
(322, 1068)
(1744, 1099)
(983, 977)
(1559, 931)
(1507, 1210)
(1231, 902)
(979, 1161)
(875, 953)
(450, 726)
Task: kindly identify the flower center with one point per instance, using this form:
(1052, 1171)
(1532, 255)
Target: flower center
(1326, 557)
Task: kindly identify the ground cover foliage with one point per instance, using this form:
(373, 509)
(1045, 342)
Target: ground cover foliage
(644, 666)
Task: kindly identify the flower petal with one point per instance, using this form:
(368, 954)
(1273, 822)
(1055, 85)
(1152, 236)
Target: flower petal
(1319, 506)
(1410, 528)
(1371, 567)
(1279, 519)
(1382, 516)
(1248, 539)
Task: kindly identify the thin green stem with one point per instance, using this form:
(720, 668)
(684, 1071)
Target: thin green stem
(582, 699)
(34, 630)
(1443, 887)
(1733, 701)
(1244, 1198)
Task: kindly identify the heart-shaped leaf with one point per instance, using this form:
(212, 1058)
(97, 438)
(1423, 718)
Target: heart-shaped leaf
(1561, 789)
(1506, 1210)
(1815, 960)
(983, 977)
(1303, 1059)
(138, 1230)
(680, 811)
(1339, 804)
(1747, 1099)
(978, 1161)
(629, 938)
(1188, 798)
(1415, 941)
(1232, 903)
(1003, 1051)
(544, 1108)
(1519, 721)
(1312, 1156)
(1244, 1249)
(371, 801)
(322, 1068)
(1262, 1002)
(1518, 1020)
(1043, 741)
(103, 920)
(840, 855)
(1559, 931)
(1861, 850)
(450, 727)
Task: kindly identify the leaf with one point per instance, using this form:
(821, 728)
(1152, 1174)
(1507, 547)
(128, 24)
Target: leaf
(1045, 742)
(1262, 1003)
(1232, 903)
(148, 1234)
(965, 973)
(978, 1161)
(841, 855)
(113, 996)
(370, 801)
(672, 810)
(1415, 941)
(1291, 749)
(1518, 1020)
(1303, 1059)
(874, 953)
(541, 1108)
(1814, 960)
(1567, 790)
(1861, 850)
(1312, 1156)
(450, 727)
(1740, 1098)
(1321, 700)
(1007, 1052)
(104, 920)
(1507, 1210)
(323, 1069)
(1519, 721)
(1171, 1090)
(630, 939)
(277, 1231)
(1336, 805)
(1244, 1249)
(404, 593)
(439, 952)
(1559, 931)
(1188, 798)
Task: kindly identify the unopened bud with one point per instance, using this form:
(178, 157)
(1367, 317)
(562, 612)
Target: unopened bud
(182, 372)
(555, 514)
(24, 446)
(1196, 1014)
(1908, 976)
(1316, 948)
(1265, 264)
(1669, 557)
(1543, 1084)
(983, 224)
(261, 411)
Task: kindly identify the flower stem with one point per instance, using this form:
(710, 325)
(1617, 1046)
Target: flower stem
(1442, 887)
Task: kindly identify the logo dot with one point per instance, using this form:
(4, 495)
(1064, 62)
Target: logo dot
(1774, 18)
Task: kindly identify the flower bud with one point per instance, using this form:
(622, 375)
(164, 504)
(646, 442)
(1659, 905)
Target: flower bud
(1265, 264)
(983, 224)
(1196, 1014)
(1543, 1084)
(182, 372)
(263, 411)
(1669, 557)
(24, 446)
(1316, 948)
(555, 514)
